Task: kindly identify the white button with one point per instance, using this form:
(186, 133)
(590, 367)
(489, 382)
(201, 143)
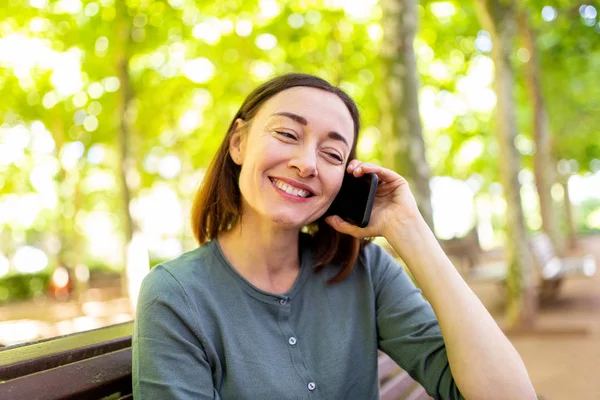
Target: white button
(282, 302)
(292, 340)
(311, 386)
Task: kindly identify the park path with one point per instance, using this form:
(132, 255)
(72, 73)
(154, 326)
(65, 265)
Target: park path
(563, 357)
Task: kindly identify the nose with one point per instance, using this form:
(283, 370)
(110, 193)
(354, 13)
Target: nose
(305, 162)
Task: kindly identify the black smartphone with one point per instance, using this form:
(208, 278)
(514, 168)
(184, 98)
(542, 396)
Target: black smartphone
(354, 201)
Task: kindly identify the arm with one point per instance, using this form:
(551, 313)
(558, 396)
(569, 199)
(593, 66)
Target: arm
(408, 330)
(168, 360)
(484, 363)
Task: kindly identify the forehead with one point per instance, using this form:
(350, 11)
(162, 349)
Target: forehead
(322, 109)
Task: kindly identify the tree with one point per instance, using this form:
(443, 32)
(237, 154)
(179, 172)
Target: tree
(544, 164)
(125, 164)
(399, 27)
(569, 56)
(498, 18)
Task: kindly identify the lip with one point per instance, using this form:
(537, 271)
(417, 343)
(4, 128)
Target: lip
(295, 184)
(289, 197)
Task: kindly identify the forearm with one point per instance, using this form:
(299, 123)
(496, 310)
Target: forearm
(483, 362)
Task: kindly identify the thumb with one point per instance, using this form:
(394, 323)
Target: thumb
(342, 226)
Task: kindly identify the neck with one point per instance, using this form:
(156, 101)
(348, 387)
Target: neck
(265, 255)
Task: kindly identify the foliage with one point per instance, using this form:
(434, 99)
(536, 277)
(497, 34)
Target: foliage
(22, 286)
(587, 209)
(191, 63)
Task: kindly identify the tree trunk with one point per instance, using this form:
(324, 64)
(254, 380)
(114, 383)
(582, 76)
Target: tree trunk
(544, 164)
(123, 27)
(498, 18)
(571, 230)
(399, 29)
(69, 193)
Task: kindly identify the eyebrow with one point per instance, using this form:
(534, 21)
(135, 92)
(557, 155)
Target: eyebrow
(301, 120)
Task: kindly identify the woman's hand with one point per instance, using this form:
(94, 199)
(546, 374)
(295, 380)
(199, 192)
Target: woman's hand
(394, 205)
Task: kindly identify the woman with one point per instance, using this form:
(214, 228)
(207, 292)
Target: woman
(262, 310)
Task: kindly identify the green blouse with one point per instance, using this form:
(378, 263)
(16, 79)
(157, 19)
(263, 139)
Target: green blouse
(204, 332)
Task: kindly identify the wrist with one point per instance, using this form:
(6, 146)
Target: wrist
(403, 228)
(409, 235)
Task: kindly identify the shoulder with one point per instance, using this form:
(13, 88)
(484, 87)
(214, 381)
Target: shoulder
(376, 258)
(380, 264)
(194, 263)
(178, 278)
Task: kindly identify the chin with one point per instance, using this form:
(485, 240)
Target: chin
(287, 221)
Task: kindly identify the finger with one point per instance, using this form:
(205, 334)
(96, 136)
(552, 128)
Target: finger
(342, 226)
(384, 174)
(358, 168)
(352, 165)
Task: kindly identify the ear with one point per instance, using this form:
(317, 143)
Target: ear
(238, 140)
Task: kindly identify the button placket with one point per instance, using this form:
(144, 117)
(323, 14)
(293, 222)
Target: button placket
(294, 349)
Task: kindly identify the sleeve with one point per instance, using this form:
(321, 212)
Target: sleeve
(168, 359)
(408, 330)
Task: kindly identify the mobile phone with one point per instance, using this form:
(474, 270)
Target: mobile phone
(354, 201)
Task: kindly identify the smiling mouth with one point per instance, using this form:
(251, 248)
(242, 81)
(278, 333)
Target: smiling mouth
(290, 189)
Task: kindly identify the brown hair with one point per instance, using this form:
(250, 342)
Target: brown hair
(217, 203)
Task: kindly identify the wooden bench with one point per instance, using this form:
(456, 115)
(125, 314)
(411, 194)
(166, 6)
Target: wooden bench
(97, 365)
(552, 270)
(396, 384)
(88, 365)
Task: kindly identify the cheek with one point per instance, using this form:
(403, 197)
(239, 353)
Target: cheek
(267, 149)
(331, 181)
(246, 177)
(274, 154)
(252, 176)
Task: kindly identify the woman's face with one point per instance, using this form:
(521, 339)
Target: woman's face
(293, 155)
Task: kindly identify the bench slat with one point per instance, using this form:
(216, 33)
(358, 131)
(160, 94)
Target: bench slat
(386, 366)
(578, 265)
(93, 378)
(419, 394)
(542, 249)
(397, 386)
(29, 358)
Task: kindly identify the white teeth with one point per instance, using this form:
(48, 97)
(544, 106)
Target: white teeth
(290, 190)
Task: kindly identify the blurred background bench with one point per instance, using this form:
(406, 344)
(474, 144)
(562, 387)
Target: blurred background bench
(551, 269)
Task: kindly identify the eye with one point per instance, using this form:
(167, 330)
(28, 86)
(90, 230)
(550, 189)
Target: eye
(334, 156)
(286, 134)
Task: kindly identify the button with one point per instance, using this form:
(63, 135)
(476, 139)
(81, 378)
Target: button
(283, 302)
(311, 386)
(292, 340)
